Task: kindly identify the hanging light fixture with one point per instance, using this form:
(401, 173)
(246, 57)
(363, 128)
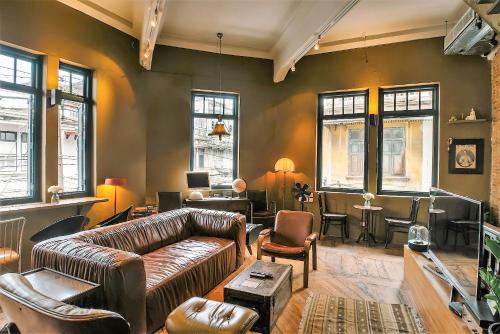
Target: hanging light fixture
(219, 127)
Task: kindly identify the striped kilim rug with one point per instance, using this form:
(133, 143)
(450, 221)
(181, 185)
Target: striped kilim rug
(328, 314)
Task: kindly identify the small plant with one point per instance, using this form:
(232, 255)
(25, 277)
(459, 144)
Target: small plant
(489, 277)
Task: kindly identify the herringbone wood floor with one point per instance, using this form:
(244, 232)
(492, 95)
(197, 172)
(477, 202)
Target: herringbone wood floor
(345, 270)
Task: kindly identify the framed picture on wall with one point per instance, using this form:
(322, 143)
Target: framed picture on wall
(466, 156)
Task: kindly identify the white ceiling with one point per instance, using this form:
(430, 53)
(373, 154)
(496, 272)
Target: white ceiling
(282, 30)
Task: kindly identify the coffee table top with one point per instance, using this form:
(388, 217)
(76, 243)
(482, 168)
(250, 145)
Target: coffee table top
(260, 287)
(367, 208)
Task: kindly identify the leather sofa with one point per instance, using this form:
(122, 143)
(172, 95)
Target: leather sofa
(149, 266)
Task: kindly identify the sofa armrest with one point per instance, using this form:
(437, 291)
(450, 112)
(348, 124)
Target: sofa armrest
(221, 224)
(120, 273)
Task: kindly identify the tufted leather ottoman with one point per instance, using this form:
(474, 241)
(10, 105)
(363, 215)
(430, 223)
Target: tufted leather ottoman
(198, 315)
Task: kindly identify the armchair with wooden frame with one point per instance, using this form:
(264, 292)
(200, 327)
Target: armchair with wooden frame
(292, 238)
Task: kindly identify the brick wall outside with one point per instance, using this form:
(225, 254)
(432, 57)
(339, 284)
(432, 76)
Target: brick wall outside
(495, 139)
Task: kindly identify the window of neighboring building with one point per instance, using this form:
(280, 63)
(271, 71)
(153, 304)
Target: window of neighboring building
(75, 114)
(342, 141)
(208, 153)
(408, 139)
(20, 105)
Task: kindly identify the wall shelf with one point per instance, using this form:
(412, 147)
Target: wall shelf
(463, 121)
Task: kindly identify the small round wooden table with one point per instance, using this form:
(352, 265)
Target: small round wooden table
(367, 222)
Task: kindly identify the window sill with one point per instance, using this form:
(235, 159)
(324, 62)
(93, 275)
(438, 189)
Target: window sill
(28, 207)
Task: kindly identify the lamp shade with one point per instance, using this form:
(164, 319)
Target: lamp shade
(219, 129)
(284, 165)
(115, 181)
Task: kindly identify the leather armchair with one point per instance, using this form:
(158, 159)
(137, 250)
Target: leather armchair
(292, 238)
(28, 311)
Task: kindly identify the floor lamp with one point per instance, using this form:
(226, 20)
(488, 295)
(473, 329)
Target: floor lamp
(284, 165)
(115, 181)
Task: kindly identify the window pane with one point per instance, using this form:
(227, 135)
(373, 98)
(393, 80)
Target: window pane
(400, 101)
(359, 104)
(77, 84)
(15, 113)
(337, 106)
(198, 104)
(228, 107)
(348, 105)
(209, 105)
(211, 154)
(23, 72)
(407, 164)
(426, 99)
(388, 102)
(327, 106)
(342, 153)
(413, 100)
(218, 105)
(6, 68)
(71, 147)
(64, 81)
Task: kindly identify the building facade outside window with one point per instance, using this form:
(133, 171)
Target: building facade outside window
(20, 125)
(342, 141)
(75, 134)
(408, 130)
(208, 153)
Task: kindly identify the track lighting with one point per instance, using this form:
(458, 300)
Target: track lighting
(293, 67)
(316, 45)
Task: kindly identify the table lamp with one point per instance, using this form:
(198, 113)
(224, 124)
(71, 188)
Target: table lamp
(284, 165)
(115, 181)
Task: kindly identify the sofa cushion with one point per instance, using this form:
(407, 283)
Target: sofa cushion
(182, 270)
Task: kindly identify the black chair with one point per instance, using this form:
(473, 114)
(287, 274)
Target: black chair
(331, 218)
(116, 219)
(464, 224)
(401, 225)
(64, 226)
(27, 311)
(261, 210)
(168, 200)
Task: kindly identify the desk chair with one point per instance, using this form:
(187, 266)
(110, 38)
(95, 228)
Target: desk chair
(120, 217)
(168, 200)
(261, 210)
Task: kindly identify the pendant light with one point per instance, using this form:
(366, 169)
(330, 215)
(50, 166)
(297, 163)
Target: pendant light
(219, 127)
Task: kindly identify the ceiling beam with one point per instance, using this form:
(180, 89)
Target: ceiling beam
(151, 26)
(311, 20)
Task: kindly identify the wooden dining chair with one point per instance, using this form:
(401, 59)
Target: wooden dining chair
(401, 225)
(292, 238)
(11, 242)
(331, 218)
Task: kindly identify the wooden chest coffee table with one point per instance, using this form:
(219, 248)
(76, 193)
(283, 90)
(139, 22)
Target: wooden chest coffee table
(268, 297)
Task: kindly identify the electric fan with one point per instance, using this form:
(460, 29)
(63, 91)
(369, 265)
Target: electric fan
(302, 194)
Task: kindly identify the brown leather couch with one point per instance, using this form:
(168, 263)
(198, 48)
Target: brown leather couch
(149, 266)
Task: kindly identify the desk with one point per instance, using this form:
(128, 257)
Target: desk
(367, 222)
(236, 204)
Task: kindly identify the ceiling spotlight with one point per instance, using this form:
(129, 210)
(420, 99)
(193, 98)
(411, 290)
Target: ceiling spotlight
(293, 67)
(316, 45)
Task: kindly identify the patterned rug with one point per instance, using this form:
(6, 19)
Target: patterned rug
(327, 315)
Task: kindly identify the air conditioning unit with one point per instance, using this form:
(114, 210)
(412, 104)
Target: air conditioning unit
(470, 36)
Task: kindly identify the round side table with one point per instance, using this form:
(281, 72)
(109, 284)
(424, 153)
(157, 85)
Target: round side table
(367, 223)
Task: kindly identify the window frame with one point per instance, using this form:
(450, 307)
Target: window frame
(319, 139)
(235, 134)
(88, 128)
(34, 170)
(434, 112)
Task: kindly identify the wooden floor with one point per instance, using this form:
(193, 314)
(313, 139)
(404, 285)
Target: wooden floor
(345, 270)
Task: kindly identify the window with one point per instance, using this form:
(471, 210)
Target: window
(20, 105)
(75, 112)
(342, 138)
(408, 130)
(208, 153)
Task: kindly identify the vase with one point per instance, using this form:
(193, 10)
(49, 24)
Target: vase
(367, 203)
(55, 198)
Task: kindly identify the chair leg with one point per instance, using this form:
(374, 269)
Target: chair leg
(456, 237)
(306, 272)
(320, 227)
(315, 256)
(273, 259)
(346, 227)
(249, 249)
(387, 228)
(342, 231)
